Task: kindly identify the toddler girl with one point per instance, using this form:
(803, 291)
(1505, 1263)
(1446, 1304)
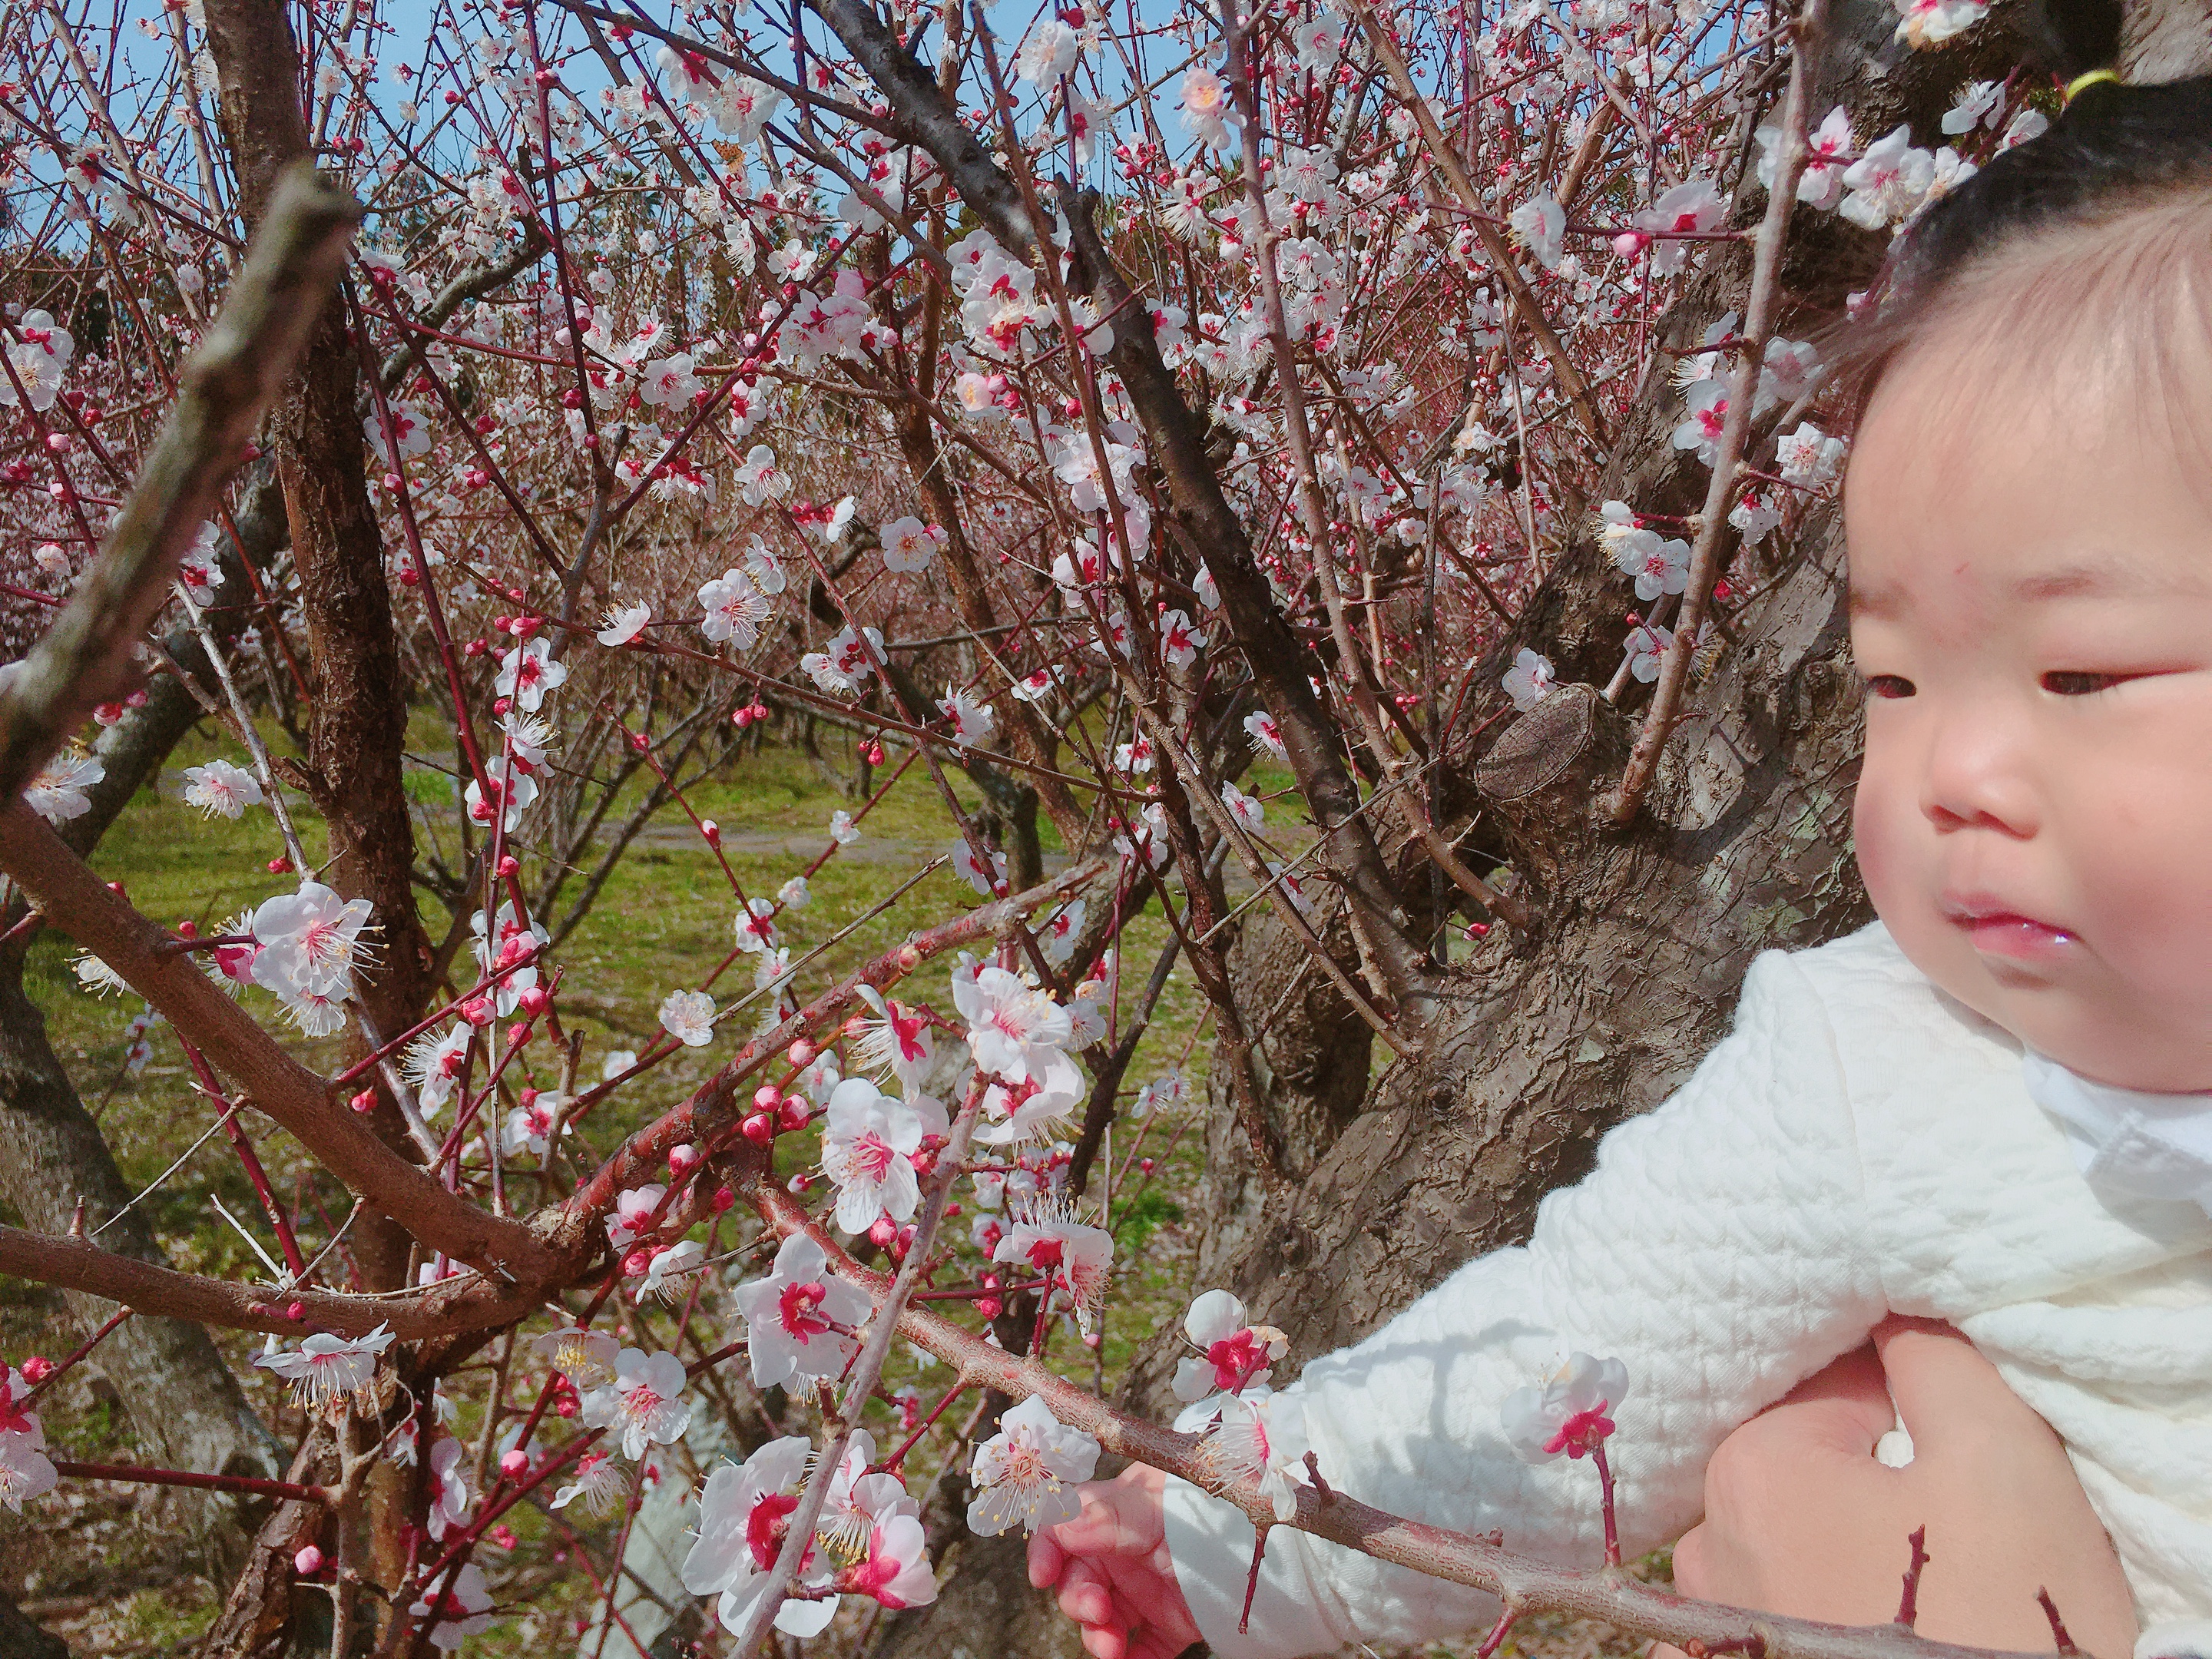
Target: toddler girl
(1994, 1106)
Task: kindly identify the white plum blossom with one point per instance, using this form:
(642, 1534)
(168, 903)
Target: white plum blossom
(220, 786)
(801, 1319)
(1659, 566)
(527, 673)
(1828, 148)
(843, 830)
(910, 544)
(1978, 104)
(1059, 932)
(1049, 52)
(622, 623)
(1074, 1258)
(759, 479)
(56, 790)
(585, 1358)
(1208, 113)
(1180, 640)
(1692, 207)
(1540, 224)
(1233, 1355)
(434, 1064)
(666, 1273)
(1700, 432)
(1648, 643)
(1925, 22)
(845, 660)
(754, 927)
(743, 1514)
(39, 352)
(669, 383)
(1248, 812)
(896, 1040)
(633, 1214)
(1167, 1090)
(964, 862)
(1266, 736)
(972, 719)
(530, 1126)
(735, 609)
(1568, 1414)
(26, 1471)
(688, 1017)
(1260, 1436)
(309, 940)
(1530, 679)
(644, 1405)
(1025, 1472)
(1015, 1031)
(1888, 181)
(406, 426)
(326, 1366)
(449, 1486)
(463, 1611)
(1809, 456)
(868, 1141)
(597, 1482)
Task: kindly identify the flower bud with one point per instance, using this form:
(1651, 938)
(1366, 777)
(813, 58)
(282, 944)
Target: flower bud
(503, 1535)
(681, 1159)
(509, 864)
(637, 1261)
(515, 1464)
(800, 1184)
(279, 866)
(923, 1161)
(767, 1098)
(793, 1114)
(1145, 1164)
(800, 1053)
(37, 1369)
(364, 1102)
(883, 1232)
(759, 1128)
(712, 831)
(308, 1562)
(518, 1034)
(478, 1010)
(723, 1199)
(1630, 243)
(534, 1000)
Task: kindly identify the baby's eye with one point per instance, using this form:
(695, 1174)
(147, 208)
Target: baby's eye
(2069, 684)
(1890, 685)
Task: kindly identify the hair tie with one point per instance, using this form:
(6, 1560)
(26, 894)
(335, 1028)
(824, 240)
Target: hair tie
(2074, 87)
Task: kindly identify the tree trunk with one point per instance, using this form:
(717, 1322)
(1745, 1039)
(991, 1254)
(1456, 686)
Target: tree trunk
(357, 725)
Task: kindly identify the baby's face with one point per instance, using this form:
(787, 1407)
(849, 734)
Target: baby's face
(2032, 608)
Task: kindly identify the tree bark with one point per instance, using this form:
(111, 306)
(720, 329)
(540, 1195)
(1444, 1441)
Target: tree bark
(357, 721)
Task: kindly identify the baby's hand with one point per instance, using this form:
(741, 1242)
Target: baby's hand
(1111, 1566)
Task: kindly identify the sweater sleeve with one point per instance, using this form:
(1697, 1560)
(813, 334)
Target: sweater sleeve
(1715, 1249)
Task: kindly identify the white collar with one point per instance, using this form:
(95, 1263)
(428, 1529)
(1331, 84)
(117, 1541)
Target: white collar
(2150, 1146)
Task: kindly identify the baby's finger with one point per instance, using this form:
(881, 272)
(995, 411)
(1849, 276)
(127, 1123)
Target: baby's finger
(1945, 1390)
(1085, 1596)
(1046, 1560)
(1101, 1528)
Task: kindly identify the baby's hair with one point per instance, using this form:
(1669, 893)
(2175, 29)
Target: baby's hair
(2100, 226)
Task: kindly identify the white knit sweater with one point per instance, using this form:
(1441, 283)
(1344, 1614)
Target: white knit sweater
(1860, 1144)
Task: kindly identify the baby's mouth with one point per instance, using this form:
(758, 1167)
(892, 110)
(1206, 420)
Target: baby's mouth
(1997, 932)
